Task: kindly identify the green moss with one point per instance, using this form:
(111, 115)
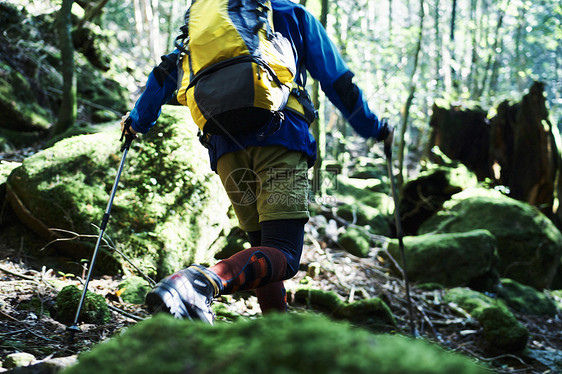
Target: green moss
(169, 206)
(35, 305)
(363, 215)
(501, 329)
(525, 299)
(19, 109)
(6, 167)
(235, 241)
(521, 258)
(276, 344)
(94, 309)
(324, 301)
(372, 313)
(557, 296)
(134, 290)
(464, 258)
(355, 240)
(351, 189)
(429, 286)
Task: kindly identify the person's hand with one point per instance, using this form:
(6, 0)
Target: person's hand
(124, 122)
(386, 135)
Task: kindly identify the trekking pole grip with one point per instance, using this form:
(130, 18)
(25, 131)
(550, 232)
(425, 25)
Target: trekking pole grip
(389, 139)
(127, 135)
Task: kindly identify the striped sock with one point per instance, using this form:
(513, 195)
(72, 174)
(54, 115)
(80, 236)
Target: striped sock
(251, 268)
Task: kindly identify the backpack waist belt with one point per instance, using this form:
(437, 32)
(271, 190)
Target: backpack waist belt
(300, 103)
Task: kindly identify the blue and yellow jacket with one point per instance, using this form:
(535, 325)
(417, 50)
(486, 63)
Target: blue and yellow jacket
(314, 52)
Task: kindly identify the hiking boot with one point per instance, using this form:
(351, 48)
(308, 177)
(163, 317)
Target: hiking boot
(187, 294)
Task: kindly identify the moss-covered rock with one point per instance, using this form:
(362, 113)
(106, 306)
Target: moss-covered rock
(169, 206)
(276, 344)
(320, 300)
(18, 105)
(501, 329)
(456, 259)
(94, 310)
(355, 240)
(420, 198)
(134, 289)
(30, 82)
(529, 244)
(16, 360)
(525, 299)
(364, 215)
(373, 313)
(234, 242)
(352, 189)
(557, 296)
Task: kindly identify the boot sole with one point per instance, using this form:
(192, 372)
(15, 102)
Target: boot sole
(165, 299)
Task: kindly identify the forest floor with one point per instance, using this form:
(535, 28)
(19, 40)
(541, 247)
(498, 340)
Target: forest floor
(30, 331)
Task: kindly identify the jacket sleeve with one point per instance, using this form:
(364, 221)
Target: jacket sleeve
(160, 86)
(325, 64)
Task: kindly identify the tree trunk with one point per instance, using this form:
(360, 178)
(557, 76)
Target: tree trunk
(473, 75)
(438, 57)
(524, 149)
(68, 108)
(519, 52)
(390, 20)
(140, 39)
(454, 83)
(318, 126)
(154, 28)
(170, 31)
(408, 103)
(488, 73)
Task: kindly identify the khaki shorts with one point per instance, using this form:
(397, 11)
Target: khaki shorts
(265, 183)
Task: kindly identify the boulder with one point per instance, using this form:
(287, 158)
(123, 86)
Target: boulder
(356, 241)
(15, 360)
(452, 259)
(364, 215)
(420, 198)
(525, 299)
(372, 313)
(529, 245)
(134, 289)
(275, 344)
(168, 208)
(502, 330)
(30, 82)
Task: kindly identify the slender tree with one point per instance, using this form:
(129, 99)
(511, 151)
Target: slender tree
(68, 108)
(454, 82)
(390, 21)
(318, 127)
(492, 54)
(437, 45)
(411, 92)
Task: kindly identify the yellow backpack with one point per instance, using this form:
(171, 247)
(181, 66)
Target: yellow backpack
(236, 71)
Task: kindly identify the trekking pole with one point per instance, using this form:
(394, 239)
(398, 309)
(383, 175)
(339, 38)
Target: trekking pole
(124, 148)
(399, 232)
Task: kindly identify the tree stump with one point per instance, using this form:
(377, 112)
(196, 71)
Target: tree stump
(463, 135)
(523, 151)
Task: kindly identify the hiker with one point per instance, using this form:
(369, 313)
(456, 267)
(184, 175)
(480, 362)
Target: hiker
(264, 172)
